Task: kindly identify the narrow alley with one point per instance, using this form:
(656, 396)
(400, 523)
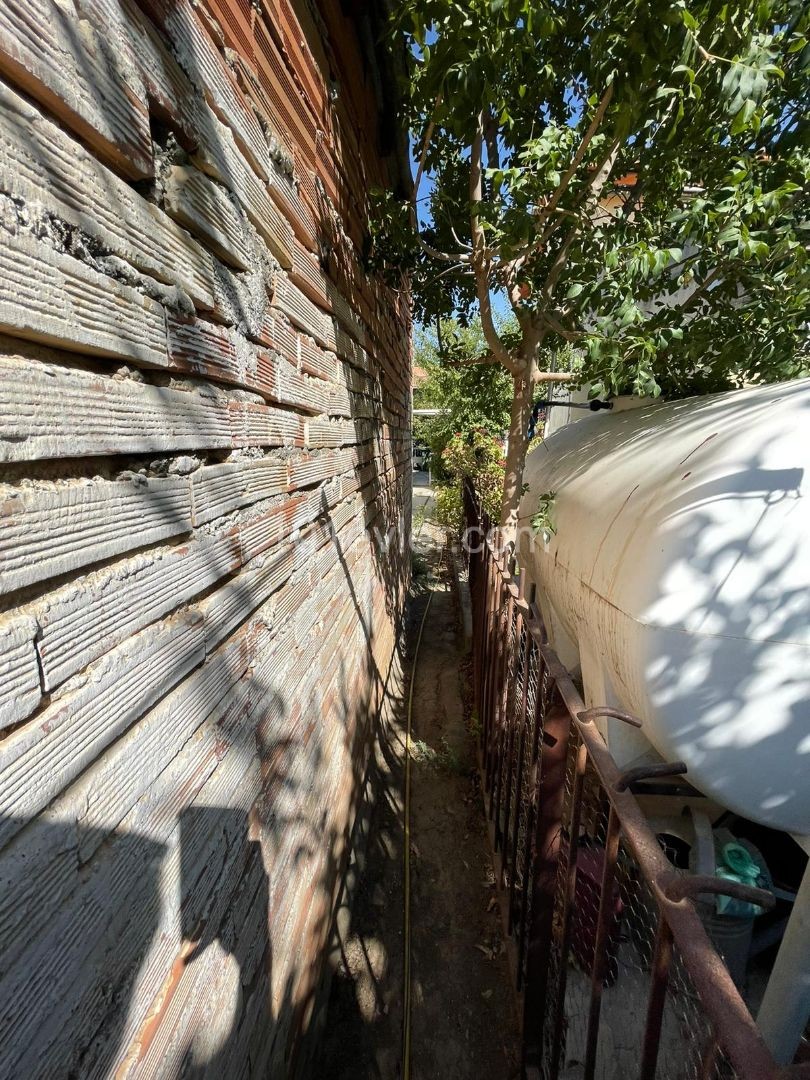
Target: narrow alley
(463, 1013)
(318, 766)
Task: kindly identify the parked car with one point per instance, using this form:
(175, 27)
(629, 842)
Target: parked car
(421, 457)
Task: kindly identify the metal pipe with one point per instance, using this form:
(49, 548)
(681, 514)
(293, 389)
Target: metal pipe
(659, 980)
(695, 885)
(604, 925)
(785, 1008)
(581, 764)
(587, 716)
(647, 772)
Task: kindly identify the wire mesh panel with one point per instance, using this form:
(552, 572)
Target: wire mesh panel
(686, 1031)
(623, 968)
(530, 721)
(618, 976)
(554, 1021)
(507, 704)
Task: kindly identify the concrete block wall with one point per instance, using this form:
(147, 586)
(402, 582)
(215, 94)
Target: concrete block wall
(204, 480)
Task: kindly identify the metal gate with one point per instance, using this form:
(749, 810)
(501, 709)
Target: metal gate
(616, 974)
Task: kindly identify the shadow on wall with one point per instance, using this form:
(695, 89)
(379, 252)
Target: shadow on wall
(106, 940)
(148, 950)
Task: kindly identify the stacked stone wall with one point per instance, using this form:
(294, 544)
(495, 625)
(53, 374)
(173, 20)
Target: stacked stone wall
(204, 480)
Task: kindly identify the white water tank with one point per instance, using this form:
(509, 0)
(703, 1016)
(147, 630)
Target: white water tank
(680, 566)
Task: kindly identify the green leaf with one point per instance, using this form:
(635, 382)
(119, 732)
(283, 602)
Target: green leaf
(719, 145)
(742, 119)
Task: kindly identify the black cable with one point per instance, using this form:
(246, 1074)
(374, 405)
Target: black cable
(546, 403)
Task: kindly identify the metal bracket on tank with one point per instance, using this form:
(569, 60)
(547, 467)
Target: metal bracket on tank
(650, 772)
(681, 886)
(547, 403)
(587, 716)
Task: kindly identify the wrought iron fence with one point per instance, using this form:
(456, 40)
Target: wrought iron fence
(615, 970)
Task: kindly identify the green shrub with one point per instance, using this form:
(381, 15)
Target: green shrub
(449, 512)
(479, 456)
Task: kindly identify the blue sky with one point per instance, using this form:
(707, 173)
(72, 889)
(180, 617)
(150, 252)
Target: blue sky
(500, 303)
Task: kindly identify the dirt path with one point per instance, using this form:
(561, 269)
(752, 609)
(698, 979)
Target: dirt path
(463, 1014)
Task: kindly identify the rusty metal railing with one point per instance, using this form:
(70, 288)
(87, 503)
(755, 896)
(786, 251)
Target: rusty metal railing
(616, 973)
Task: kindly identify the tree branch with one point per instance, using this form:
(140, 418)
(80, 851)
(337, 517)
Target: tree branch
(450, 270)
(460, 257)
(594, 189)
(537, 376)
(480, 260)
(602, 173)
(576, 161)
(558, 265)
(491, 136)
(484, 358)
(459, 241)
(630, 203)
(552, 376)
(551, 206)
(518, 260)
(469, 361)
(713, 58)
(425, 143)
(442, 256)
(493, 156)
(700, 291)
(554, 324)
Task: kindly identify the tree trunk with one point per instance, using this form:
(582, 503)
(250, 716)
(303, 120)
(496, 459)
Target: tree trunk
(516, 454)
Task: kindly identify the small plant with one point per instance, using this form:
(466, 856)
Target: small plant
(449, 510)
(474, 725)
(422, 753)
(447, 758)
(419, 568)
(444, 759)
(541, 521)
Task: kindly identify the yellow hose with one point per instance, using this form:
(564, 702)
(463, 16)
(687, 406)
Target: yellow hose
(406, 1017)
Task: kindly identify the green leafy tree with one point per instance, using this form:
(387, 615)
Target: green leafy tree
(470, 396)
(632, 176)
